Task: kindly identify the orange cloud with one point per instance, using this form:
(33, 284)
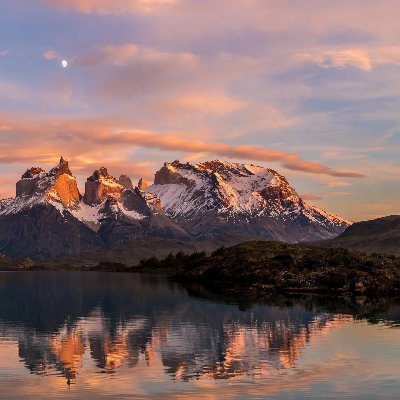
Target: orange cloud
(335, 184)
(246, 152)
(218, 103)
(310, 196)
(88, 143)
(101, 138)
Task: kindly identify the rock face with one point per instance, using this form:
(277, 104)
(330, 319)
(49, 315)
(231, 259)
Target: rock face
(215, 197)
(49, 217)
(58, 185)
(42, 232)
(28, 185)
(136, 215)
(142, 184)
(125, 181)
(100, 185)
(38, 223)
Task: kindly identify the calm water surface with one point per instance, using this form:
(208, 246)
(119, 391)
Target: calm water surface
(120, 336)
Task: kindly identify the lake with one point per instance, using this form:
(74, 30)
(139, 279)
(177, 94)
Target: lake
(77, 335)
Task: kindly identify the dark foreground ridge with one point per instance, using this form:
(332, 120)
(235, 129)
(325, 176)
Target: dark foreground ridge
(381, 235)
(266, 267)
(258, 269)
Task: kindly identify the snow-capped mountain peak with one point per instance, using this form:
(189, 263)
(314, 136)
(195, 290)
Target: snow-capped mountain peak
(206, 200)
(242, 195)
(58, 186)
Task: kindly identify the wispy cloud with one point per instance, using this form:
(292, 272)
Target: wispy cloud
(111, 7)
(335, 184)
(310, 196)
(50, 55)
(3, 53)
(358, 58)
(82, 136)
(361, 58)
(124, 53)
(174, 143)
(341, 193)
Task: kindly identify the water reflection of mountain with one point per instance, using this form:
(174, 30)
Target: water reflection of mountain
(127, 320)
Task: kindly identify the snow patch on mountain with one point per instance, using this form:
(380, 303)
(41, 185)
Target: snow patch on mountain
(93, 215)
(234, 191)
(17, 204)
(133, 214)
(199, 201)
(86, 213)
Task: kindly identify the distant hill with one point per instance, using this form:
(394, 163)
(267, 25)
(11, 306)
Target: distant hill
(380, 235)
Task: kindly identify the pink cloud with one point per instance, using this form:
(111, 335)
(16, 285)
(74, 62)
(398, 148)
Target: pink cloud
(99, 139)
(125, 53)
(246, 152)
(358, 58)
(111, 7)
(50, 55)
(184, 90)
(362, 58)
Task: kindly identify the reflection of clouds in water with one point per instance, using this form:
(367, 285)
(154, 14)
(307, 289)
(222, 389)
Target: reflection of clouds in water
(233, 351)
(149, 337)
(188, 338)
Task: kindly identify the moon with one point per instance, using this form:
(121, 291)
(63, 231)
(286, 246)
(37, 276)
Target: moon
(64, 63)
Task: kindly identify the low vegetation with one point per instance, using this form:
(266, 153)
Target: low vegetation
(260, 267)
(275, 266)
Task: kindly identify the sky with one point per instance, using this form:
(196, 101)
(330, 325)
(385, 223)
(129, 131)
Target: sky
(310, 88)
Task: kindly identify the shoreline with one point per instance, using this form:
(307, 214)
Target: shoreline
(264, 268)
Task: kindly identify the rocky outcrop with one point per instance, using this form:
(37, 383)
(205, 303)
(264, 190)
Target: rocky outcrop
(136, 215)
(58, 185)
(29, 183)
(169, 174)
(133, 200)
(142, 184)
(125, 181)
(100, 185)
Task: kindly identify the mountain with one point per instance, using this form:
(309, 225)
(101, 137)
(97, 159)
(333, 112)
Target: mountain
(119, 213)
(215, 197)
(38, 222)
(380, 235)
(49, 218)
(211, 201)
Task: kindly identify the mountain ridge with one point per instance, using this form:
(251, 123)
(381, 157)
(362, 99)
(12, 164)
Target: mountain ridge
(253, 199)
(186, 202)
